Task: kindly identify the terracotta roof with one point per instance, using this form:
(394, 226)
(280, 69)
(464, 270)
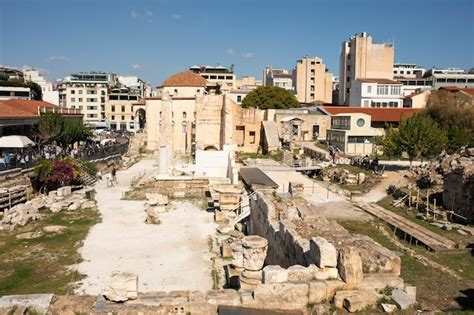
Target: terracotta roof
(377, 114)
(378, 80)
(469, 91)
(22, 108)
(185, 78)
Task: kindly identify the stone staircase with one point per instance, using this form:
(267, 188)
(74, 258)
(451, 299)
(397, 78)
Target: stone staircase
(87, 177)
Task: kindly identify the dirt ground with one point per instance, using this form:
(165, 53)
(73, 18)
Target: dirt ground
(173, 255)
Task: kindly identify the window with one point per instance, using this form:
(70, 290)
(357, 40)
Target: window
(80, 99)
(366, 103)
(252, 137)
(184, 127)
(213, 77)
(239, 98)
(360, 122)
(341, 122)
(294, 130)
(172, 126)
(313, 72)
(221, 77)
(112, 117)
(176, 91)
(91, 107)
(382, 89)
(369, 88)
(312, 88)
(73, 99)
(229, 77)
(91, 100)
(470, 80)
(73, 92)
(441, 80)
(348, 79)
(123, 108)
(395, 90)
(313, 63)
(91, 92)
(160, 114)
(123, 117)
(349, 55)
(348, 67)
(185, 115)
(80, 91)
(113, 108)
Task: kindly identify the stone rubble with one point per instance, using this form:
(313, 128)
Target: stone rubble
(122, 286)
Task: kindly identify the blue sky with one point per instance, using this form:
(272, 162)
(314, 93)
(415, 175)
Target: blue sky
(156, 38)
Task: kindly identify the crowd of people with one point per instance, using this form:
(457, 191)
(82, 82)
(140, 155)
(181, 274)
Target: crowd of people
(105, 145)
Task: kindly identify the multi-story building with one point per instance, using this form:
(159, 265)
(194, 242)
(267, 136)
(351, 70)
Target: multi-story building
(14, 92)
(450, 77)
(376, 93)
(407, 71)
(49, 94)
(362, 59)
(88, 92)
(247, 83)
(135, 85)
(218, 77)
(415, 85)
(313, 82)
(278, 77)
(119, 112)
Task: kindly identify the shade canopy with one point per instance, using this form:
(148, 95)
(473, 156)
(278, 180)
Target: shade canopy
(15, 142)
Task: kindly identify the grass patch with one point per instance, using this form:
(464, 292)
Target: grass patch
(277, 156)
(41, 265)
(436, 290)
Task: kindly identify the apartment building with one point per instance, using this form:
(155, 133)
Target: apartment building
(360, 58)
(14, 92)
(119, 111)
(218, 77)
(49, 94)
(247, 83)
(88, 92)
(450, 77)
(376, 93)
(278, 77)
(312, 81)
(408, 71)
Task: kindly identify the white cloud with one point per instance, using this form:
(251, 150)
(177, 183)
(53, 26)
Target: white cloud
(230, 51)
(136, 67)
(176, 16)
(148, 13)
(58, 58)
(248, 55)
(134, 14)
(142, 15)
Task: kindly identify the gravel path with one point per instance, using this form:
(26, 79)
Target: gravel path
(173, 255)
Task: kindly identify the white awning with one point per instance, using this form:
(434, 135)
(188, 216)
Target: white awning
(15, 142)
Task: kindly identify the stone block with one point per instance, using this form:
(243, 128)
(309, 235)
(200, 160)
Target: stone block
(274, 274)
(378, 281)
(64, 191)
(57, 229)
(349, 265)
(389, 308)
(282, 296)
(360, 300)
(323, 253)
(300, 273)
(332, 286)
(37, 302)
(317, 292)
(402, 299)
(410, 290)
(326, 273)
(223, 297)
(122, 286)
(226, 250)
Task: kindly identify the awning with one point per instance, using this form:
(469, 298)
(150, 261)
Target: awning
(15, 142)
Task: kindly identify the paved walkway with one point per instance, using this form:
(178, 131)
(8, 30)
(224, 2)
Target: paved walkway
(173, 255)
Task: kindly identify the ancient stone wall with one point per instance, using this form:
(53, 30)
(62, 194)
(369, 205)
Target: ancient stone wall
(180, 188)
(458, 192)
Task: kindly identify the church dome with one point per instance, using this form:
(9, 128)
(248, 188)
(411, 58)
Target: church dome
(185, 78)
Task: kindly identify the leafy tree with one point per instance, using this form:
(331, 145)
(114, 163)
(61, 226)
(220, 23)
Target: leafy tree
(50, 126)
(269, 97)
(72, 132)
(418, 136)
(453, 112)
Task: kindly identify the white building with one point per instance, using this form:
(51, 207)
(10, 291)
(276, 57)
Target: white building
(408, 71)
(376, 93)
(87, 91)
(136, 85)
(13, 92)
(220, 76)
(278, 77)
(49, 94)
(450, 77)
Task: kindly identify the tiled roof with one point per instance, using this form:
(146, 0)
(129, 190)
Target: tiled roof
(377, 114)
(416, 93)
(378, 80)
(185, 78)
(469, 91)
(22, 108)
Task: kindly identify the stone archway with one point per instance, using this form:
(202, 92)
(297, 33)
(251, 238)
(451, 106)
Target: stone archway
(140, 116)
(210, 148)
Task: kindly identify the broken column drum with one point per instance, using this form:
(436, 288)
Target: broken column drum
(254, 254)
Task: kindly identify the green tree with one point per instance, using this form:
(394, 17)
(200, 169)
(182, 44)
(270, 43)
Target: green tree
(453, 112)
(72, 132)
(270, 97)
(50, 126)
(418, 137)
